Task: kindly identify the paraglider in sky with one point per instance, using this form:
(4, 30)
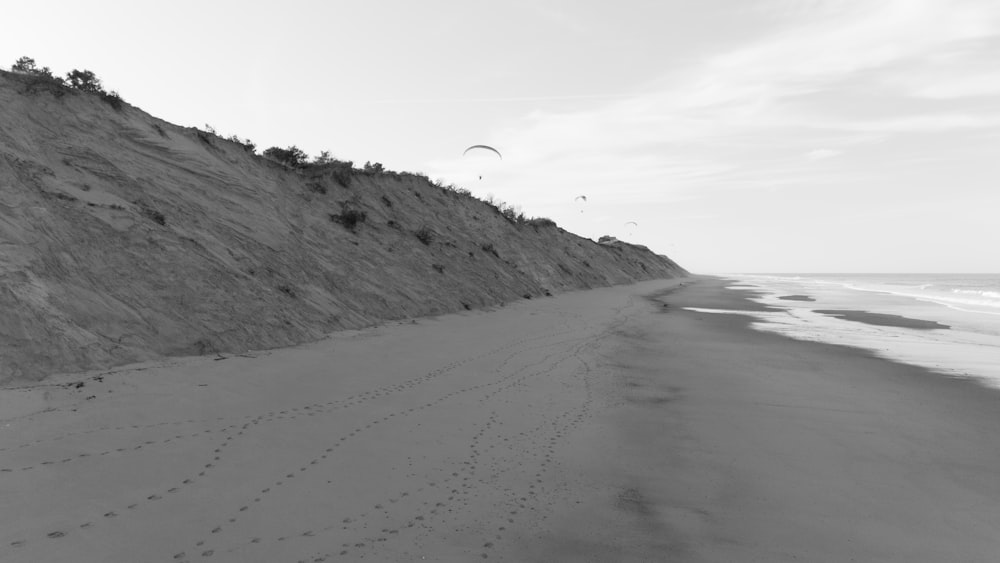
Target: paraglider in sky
(482, 148)
(581, 202)
(630, 227)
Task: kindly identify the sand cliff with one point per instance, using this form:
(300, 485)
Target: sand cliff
(125, 238)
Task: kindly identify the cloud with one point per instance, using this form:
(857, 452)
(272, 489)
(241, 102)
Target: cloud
(731, 121)
(820, 154)
(560, 18)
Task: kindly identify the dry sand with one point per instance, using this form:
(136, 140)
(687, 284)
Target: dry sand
(594, 426)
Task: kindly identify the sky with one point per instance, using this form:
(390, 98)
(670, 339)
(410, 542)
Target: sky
(740, 136)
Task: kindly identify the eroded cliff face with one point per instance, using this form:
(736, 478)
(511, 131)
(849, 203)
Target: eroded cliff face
(125, 238)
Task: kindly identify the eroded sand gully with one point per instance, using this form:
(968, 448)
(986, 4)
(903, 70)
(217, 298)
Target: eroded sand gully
(596, 425)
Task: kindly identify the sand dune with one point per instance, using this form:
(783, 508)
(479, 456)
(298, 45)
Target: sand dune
(126, 238)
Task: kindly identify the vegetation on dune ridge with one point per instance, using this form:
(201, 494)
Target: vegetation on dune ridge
(149, 240)
(81, 80)
(291, 157)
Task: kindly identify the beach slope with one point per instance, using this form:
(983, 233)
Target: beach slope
(602, 425)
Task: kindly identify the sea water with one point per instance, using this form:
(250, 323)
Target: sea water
(968, 303)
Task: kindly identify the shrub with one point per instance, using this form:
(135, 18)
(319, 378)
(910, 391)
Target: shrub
(342, 175)
(323, 158)
(541, 222)
(350, 218)
(386, 201)
(424, 235)
(374, 167)
(512, 213)
(26, 65)
(493, 202)
(488, 247)
(438, 268)
(459, 191)
(112, 99)
(158, 129)
(292, 156)
(85, 81)
(247, 144)
(287, 290)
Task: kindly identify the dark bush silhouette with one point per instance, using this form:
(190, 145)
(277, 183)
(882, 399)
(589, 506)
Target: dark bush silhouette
(424, 235)
(85, 81)
(247, 144)
(541, 222)
(374, 167)
(292, 156)
(342, 175)
(112, 99)
(350, 218)
(26, 65)
(323, 158)
(488, 247)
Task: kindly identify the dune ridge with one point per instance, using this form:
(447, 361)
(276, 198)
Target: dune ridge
(124, 238)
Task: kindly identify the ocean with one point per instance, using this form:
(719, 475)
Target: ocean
(967, 303)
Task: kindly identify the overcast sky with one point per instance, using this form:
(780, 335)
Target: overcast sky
(740, 135)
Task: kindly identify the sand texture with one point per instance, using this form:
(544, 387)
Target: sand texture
(592, 426)
(124, 238)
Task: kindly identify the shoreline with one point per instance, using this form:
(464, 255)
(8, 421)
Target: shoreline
(775, 449)
(597, 425)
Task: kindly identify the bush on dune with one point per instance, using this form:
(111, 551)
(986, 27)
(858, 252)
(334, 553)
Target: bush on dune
(350, 218)
(292, 156)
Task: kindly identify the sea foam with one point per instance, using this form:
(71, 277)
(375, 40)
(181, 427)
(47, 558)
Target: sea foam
(970, 304)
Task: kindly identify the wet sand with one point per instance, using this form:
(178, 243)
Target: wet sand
(882, 319)
(796, 298)
(593, 426)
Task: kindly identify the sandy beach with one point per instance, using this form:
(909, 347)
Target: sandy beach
(602, 425)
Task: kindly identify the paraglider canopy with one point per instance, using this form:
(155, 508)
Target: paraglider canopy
(483, 147)
(580, 202)
(630, 227)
